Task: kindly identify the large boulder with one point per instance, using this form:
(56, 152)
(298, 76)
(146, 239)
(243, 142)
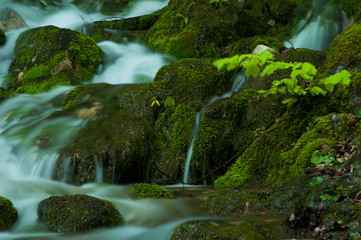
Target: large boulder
(78, 213)
(8, 213)
(47, 57)
(10, 20)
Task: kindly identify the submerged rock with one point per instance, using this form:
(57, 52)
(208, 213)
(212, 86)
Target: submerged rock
(78, 213)
(47, 57)
(145, 190)
(10, 20)
(8, 214)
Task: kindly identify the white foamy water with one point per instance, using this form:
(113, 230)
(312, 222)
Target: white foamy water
(321, 25)
(128, 63)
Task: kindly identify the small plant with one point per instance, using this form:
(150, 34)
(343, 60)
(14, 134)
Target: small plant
(316, 181)
(354, 236)
(185, 18)
(318, 159)
(326, 196)
(311, 124)
(300, 71)
(155, 101)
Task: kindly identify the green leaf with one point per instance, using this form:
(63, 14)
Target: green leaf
(309, 68)
(186, 20)
(252, 70)
(317, 91)
(319, 179)
(282, 90)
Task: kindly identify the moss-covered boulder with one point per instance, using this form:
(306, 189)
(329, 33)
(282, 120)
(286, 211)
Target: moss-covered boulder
(282, 152)
(10, 20)
(47, 57)
(145, 190)
(343, 52)
(78, 213)
(8, 214)
(107, 7)
(2, 38)
(194, 29)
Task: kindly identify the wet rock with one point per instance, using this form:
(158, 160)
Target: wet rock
(8, 214)
(194, 29)
(39, 3)
(145, 190)
(107, 7)
(2, 38)
(78, 213)
(10, 20)
(47, 57)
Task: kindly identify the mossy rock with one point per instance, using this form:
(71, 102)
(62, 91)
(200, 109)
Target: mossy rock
(47, 57)
(8, 213)
(2, 38)
(343, 53)
(145, 190)
(135, 23)
(78, 213)
(3, 93)
(282, 152)
(107, 7)
(194, 29)
(352, 8)
(247, 45)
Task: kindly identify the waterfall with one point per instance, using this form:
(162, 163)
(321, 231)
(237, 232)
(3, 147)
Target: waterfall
(320, 26)
(237, 83)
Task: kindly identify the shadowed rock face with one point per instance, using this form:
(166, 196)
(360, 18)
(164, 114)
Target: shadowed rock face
(78, 213)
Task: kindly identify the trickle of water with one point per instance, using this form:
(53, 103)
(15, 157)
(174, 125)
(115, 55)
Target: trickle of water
(321, 25)
(237, 83)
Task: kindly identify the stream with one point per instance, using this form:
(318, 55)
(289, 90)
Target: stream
(28, 159)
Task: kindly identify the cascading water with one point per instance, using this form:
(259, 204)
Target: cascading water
(239, 80)
(320, 26)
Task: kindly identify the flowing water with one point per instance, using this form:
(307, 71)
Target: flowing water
(320, 26)
(239, 80)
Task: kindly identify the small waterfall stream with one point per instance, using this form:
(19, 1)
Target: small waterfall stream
(239, 80)
(320, 26)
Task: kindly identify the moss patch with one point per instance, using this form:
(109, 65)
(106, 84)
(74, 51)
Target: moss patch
(145, 190)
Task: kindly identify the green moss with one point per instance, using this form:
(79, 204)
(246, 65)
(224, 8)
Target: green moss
(278, 158)
(343, 53)
(145, 190)
(8, 214)
(78, 213)
(47, 57)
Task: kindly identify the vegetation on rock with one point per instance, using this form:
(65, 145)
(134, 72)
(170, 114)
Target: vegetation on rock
(78, 213)
(145, 190)
(8, 213)
(47, 57)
